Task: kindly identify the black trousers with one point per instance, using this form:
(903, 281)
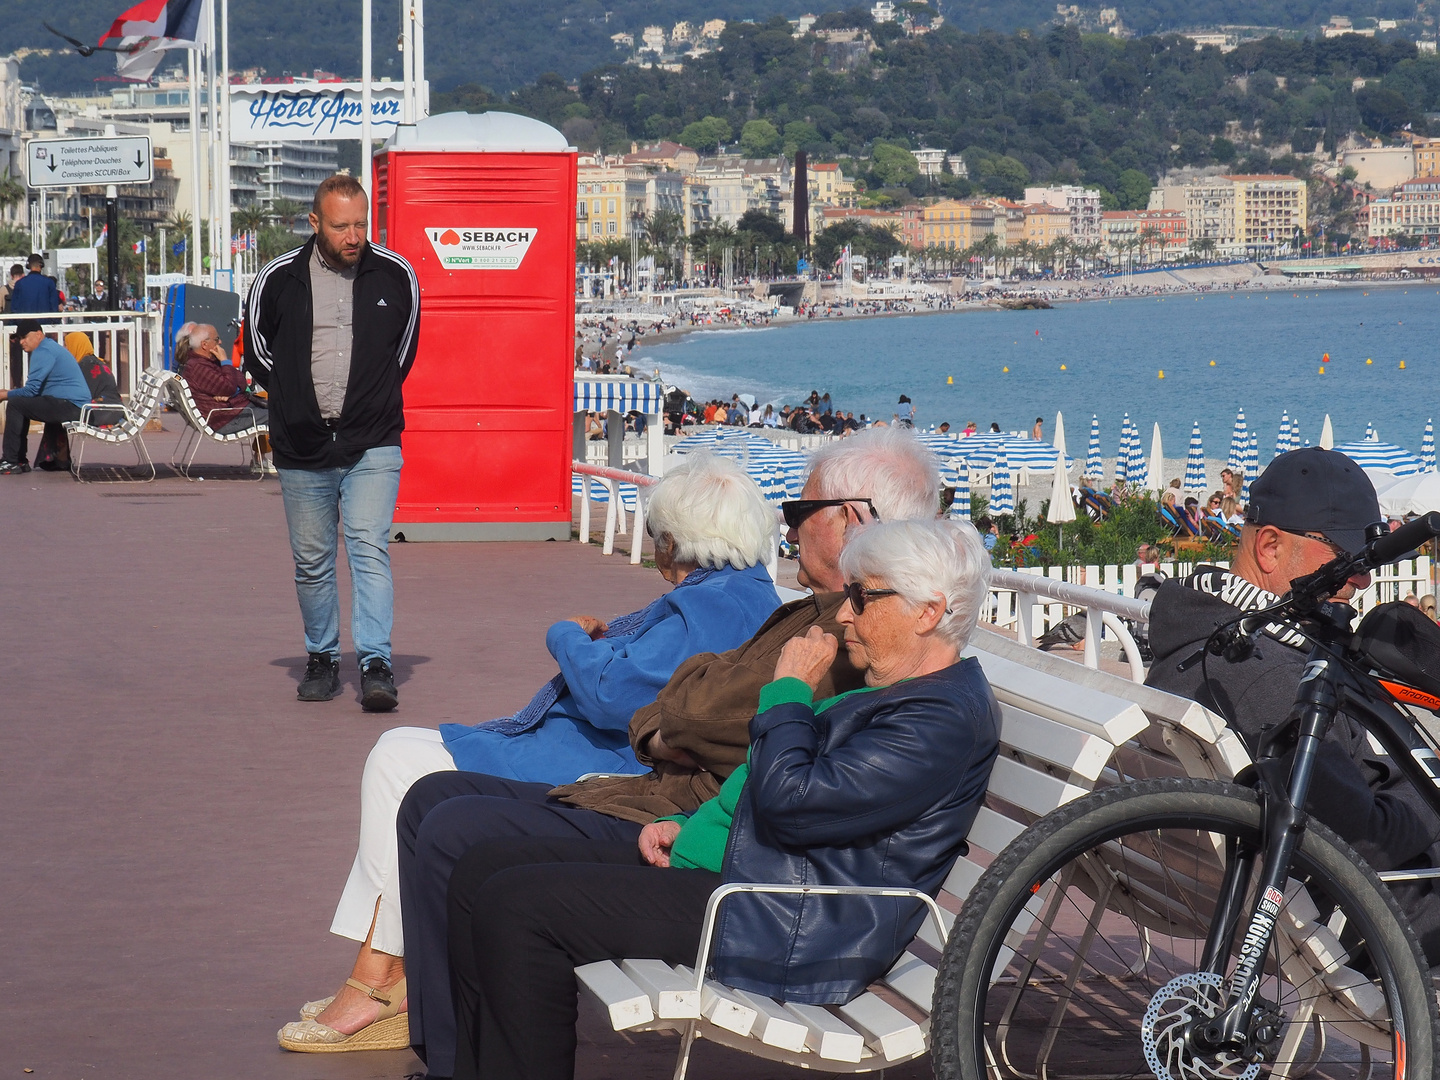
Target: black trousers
(524, 912)
(442, 817)
(20, 411)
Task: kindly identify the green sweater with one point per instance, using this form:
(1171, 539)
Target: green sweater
(704, 834)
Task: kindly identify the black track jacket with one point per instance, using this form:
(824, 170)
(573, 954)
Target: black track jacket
(278, 327)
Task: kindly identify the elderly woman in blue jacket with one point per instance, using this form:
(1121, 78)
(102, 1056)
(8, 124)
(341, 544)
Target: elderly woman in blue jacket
(713, 534)
(874, 787)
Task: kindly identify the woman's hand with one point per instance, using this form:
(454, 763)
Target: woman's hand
(656, 840)
(591, 625)
(807, 658)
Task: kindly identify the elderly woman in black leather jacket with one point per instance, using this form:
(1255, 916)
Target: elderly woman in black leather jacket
(875, 787)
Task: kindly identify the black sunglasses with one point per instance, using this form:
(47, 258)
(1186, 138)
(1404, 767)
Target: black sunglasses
(1335, 549)
(797, 510)
(859, 596)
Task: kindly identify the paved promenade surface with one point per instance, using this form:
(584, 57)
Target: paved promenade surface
(174, 826)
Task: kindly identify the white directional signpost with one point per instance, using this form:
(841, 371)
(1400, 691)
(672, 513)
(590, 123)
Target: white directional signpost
(110, 160)
(124, 159)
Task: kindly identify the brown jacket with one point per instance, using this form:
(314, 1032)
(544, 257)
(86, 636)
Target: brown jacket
(705, 710)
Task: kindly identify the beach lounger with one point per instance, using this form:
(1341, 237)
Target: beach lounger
(1096, 503)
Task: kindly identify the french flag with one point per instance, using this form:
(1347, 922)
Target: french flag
(178, 20)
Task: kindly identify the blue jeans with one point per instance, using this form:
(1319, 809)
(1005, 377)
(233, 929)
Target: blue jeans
(315, 500)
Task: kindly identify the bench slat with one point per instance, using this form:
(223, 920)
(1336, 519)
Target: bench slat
(913, 979)
(625, 1003)
(1079, 752)
(671, 996)
(827, 1035)
(962, 878)
(719, 1005)
(775, 1025)
(993, 831)
(888, 1031)
(1030, 789)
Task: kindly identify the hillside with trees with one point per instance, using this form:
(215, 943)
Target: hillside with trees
(505, 44)
(1021, 108)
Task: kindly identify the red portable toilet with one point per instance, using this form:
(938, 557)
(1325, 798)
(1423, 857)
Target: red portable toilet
(483, 206)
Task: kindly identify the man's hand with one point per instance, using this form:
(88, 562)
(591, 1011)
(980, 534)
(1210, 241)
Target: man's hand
(591, 625)
(807, 658)
(660, 750)
(656, 840)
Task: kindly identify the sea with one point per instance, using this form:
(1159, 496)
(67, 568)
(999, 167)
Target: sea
(1367, 357)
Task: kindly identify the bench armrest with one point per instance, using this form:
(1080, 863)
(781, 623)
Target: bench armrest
(724, 892)
(93, 406)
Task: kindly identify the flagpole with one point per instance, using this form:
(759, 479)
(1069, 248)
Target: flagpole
(407, 64)
(422, 94)
(195, 205)
(212, 120)
(366, 93)
(226, 196)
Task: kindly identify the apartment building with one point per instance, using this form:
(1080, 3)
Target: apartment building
(1246, 214)
(1082, 203)
(673, 156)
(1427, 156)
(1120, 228)
(609, 199)
(1413, 209)
(956, 225)
(1044, 223)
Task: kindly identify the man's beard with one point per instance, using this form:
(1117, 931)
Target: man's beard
(335, 257)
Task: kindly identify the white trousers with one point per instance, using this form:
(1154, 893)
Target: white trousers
(399, 758)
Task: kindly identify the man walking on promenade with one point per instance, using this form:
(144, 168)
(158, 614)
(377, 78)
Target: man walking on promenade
(34, 293)
(330, 333)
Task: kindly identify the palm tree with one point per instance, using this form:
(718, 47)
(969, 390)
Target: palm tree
(248, 219)
(285, 212)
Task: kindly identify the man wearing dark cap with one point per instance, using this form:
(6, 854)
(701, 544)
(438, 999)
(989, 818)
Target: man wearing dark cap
(1308, 507)
(52, 394)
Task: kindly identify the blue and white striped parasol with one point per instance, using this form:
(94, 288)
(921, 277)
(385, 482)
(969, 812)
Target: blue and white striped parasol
(1239, 444)
(1374, 456)
(960, 508)
(1251, 466)
(1094, 463)
(1195, 462)
(1371, 435)
(1122, 453)
(1282, 440)
(1137, 473)
(1427, 447)
(1295, 443)
(1002, 492)
(980, 452)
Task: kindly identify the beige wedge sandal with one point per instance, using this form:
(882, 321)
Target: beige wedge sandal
(390, 1030)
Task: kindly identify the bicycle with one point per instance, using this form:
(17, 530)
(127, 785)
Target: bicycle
(1105, 940)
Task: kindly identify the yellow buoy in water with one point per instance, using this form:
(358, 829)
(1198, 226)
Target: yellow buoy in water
(1402, 365)
(1162, 373)
(1368, 360)
(1005, 369)
(949, 380)
(1212, 363)
(1322, 369)
(1062, 367)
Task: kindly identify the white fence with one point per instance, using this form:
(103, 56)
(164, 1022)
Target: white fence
(129, 341)
(597, 478)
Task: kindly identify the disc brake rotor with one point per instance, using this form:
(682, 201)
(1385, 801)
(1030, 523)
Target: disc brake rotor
(1173, 1009)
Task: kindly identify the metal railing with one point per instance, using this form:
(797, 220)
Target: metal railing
(129, 341)
(611, 479)
(1015, 599)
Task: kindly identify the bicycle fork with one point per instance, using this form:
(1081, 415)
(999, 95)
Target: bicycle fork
(1240, 1027)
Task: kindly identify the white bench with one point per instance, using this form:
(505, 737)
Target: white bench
(1057, 739)
(135, 416)
(198, 429)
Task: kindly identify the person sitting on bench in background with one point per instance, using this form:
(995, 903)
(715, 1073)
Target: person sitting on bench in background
(52, 394)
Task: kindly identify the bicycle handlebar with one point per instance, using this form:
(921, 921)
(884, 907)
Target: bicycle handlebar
(1383, 548)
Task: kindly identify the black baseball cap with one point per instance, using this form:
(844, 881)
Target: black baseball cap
(27, 326)
(1315, 490)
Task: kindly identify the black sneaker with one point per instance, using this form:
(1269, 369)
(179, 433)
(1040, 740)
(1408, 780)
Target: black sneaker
(377, 687)
(7, 467)
(322, 678)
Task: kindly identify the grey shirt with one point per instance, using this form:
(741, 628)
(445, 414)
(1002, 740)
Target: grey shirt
(332, 332)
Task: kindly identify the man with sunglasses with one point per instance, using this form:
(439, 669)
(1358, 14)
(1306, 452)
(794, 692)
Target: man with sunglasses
(1307, 508)
(697, 731)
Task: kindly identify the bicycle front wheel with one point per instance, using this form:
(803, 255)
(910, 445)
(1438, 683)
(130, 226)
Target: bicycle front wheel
(1078, 952)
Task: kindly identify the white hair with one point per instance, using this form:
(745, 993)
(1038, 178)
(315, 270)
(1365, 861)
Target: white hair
(182, 336)
(713, 513)
(889, 466)
(942, 558)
